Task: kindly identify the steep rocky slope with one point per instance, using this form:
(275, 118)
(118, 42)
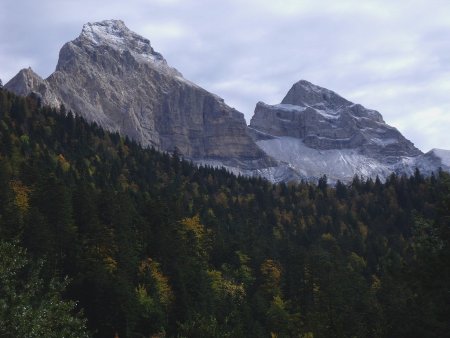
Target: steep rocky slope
(114, 77)
(317, 132)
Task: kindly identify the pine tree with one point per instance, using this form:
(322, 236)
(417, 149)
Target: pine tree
(30, 305)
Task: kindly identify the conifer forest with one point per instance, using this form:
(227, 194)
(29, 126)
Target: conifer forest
(100, 237)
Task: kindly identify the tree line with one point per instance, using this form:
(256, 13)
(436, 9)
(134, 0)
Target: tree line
(101, 237)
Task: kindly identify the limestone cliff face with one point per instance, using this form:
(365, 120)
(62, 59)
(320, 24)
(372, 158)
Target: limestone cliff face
(317, 132)
(27, 81)
(324, 120)
(114, 77)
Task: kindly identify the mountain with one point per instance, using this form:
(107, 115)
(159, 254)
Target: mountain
(317, 132)
(112, 76)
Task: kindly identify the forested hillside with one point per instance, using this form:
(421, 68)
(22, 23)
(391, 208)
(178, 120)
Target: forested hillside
(155, 246)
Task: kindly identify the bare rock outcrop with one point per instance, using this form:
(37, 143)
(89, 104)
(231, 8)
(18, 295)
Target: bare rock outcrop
(324, 120)
(113, 76)
(317, 132)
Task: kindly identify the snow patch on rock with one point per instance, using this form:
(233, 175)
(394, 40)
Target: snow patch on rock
(114, 33)
(337, 164)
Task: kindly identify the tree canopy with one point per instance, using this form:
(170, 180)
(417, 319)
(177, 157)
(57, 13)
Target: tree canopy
(153, 245)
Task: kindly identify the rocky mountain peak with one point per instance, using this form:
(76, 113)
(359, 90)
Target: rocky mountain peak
(115, 34)
(114, 43)
(24, 81)
(325, 120)
(317, 131)
(27, 82)
(304, 93)
(113, 76)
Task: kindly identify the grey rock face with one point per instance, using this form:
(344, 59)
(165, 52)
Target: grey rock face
(304, 92)
(27, 81)
(432, 161)
(324, 121)
(114, 77)
(317, 132)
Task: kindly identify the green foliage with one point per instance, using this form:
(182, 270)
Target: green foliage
(30, 306)
(230, 256)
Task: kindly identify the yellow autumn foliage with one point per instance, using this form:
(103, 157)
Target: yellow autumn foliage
(271, 271)
(110, 264)
(192, 224)
(158, 282)
(225, 288)
(21, 192)
(63, 163)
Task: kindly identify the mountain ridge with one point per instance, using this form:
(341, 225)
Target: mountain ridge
(317, 132)
(114, 77)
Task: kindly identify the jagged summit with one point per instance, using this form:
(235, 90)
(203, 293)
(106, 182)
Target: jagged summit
(307, 94)
(319, 132)
(112, 39)
(115, 34)
(304, 93)
(113, 76)
(27, 81)
(24, 81)
(324, 120)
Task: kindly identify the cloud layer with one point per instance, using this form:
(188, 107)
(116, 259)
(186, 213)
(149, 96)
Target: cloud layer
(390, 56)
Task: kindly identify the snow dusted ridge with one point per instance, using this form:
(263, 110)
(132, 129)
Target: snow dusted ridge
(115, 34)
(337, 164)
(112, 76)
(315, 132)
(333, 123)
(298, 161)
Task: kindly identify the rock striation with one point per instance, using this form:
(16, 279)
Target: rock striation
(113, 76)
(324, 120)
(317, 132)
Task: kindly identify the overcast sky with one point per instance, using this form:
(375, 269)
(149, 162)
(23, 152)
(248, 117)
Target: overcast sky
(392, 56)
